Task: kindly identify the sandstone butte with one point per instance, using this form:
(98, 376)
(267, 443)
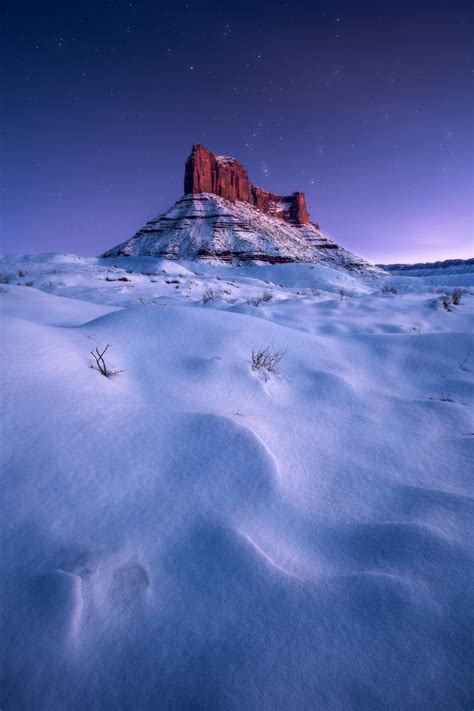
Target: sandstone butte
(226, 177)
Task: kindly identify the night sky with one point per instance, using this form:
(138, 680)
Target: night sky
(364, 106)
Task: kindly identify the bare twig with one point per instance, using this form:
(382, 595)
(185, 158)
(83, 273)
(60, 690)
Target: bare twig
(463, 364)
(101, 364)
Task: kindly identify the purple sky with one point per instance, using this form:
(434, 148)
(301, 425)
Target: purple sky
(365, 106)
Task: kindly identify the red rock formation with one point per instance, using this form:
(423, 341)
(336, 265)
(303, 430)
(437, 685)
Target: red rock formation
(224, 176)
(207, 173)
(298, 212)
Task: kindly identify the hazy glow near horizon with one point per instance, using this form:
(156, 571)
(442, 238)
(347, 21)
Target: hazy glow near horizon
(355, 105)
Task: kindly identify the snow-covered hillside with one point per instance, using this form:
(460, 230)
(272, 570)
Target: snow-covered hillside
(195, 533)
(207, 226)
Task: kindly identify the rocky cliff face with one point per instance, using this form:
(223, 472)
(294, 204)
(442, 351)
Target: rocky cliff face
(226, 177)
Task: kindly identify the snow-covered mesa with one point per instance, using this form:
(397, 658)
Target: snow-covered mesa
(207, 226)
(193, 533)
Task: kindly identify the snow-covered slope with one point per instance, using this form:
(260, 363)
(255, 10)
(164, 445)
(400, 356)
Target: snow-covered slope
(193, 533)
(207, 226)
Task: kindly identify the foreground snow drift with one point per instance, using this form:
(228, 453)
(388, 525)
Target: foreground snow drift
(195, 534)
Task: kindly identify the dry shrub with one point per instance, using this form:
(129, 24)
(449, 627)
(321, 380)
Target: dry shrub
(211, 295)
(267, 359)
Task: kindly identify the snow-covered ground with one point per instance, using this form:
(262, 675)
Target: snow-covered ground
(193, 533)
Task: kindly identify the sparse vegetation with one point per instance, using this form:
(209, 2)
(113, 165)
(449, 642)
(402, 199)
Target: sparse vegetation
(101, 364)
(267, 360)
(4, 279)
(444, 398)
(211, 295)
(145, 302)
(315, 292)
(343, 295)
(257, 300)
(463, 364)
(387, 289)
(453, 299)
(447, 303)
(29, 283)
(254, 301)
(21, 273)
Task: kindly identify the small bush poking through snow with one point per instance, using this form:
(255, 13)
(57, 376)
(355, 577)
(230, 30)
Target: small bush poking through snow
(211, 295)
(453, 299)
(267, 359)
(4, 279)
(29, 283)
(21, 273)
(101, 364)
(386, 289)
(447, 398)
(464, 363)
(343, 296)
(257, 300)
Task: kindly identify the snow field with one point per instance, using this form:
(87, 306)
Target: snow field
(194, 534)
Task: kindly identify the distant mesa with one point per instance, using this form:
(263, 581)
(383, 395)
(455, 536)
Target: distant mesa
(223, 217)
(462, 265)
(226, 177)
